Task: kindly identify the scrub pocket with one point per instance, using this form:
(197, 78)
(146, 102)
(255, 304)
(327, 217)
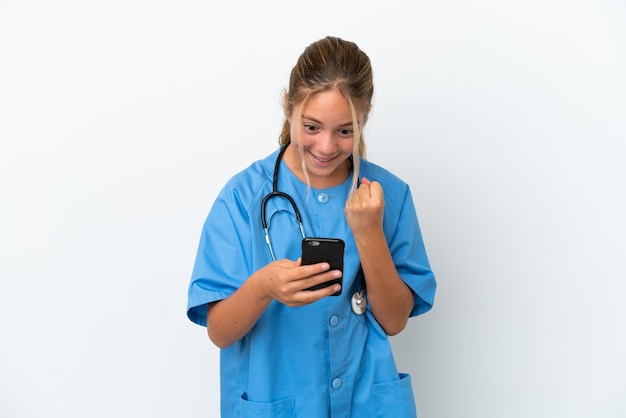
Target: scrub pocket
(279, 409)
(394, 399)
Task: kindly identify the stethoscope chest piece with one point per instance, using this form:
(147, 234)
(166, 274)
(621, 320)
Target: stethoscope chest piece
(359, 302)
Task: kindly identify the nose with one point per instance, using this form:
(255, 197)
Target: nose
(326, 143)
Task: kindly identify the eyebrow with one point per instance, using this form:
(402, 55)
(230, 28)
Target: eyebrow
(320, 123)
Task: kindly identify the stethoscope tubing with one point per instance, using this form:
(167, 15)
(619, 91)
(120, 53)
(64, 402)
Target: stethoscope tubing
(276, 193)
(359, 299)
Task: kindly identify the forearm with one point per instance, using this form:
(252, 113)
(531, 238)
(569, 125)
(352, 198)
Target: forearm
(391, 300)
(230, 319)
(284, 280)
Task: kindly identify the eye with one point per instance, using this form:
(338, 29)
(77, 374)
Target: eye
(310, 128)
(345, 132)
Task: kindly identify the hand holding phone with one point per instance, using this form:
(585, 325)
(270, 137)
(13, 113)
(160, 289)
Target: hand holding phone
(329, 250)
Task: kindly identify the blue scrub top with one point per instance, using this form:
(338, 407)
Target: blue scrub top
(319, 360)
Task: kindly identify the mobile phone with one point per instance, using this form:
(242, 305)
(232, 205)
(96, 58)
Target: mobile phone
(319, 250)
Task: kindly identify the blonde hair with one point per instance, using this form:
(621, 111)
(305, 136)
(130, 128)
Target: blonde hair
(327, 64)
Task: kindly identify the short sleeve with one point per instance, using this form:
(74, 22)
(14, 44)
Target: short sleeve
(221, 265)
(409, 254)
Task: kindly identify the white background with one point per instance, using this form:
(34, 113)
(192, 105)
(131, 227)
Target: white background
(121, 120)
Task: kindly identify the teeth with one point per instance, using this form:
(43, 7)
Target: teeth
(322, 160)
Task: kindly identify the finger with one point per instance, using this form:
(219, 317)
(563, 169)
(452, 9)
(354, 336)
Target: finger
(306, 297)
(363, 190)
(308, 270)
(320, 280)
(323, 292)
(376, 189)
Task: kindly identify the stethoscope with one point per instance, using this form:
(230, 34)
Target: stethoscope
(359, 300)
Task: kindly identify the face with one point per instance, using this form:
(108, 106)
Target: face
(324, 136)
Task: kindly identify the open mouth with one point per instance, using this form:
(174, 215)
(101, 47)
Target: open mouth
(322, 160)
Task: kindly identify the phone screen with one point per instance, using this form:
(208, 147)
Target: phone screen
(330, 250)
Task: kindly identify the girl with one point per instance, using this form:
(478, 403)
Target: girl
(288, 351)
